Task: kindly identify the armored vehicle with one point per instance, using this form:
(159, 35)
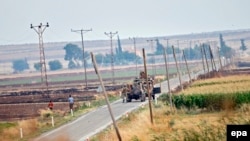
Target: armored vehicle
(138, 89)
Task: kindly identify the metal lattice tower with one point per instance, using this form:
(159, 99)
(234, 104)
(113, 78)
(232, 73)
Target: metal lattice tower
(111, 35)
(39, 30)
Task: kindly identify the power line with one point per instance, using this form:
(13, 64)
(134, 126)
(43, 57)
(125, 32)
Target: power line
(82, 31)
(111, 35)
(39, 29)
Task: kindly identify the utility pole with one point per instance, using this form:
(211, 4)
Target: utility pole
(39, 29)
(149, 94)
(136, 62)
(167, 75)
(153, 59)
(204, 50)
(111, 35)
(218, 49)
(176, 63)
(82, 31)
(190, 79)
(106, 96)
(203, 61)
(212, 58)
(179, 52)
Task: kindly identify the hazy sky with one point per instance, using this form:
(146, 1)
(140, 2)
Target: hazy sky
(131, 18)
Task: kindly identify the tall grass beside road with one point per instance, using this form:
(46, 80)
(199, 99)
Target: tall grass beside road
(189, 123)
(10, 131)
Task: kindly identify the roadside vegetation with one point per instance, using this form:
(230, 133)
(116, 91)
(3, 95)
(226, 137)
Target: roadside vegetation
(225, 101)
(10, 131)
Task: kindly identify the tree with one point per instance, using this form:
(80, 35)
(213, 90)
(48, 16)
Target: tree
(74, 55)
(99, 58)
(37, 66)
(243, 46)
(119, 49)
(20, 65)
(169, 50)
(224, 49)
(119, 53)
(55, 65)
(192, 53)
(72, 65)
(159, 48)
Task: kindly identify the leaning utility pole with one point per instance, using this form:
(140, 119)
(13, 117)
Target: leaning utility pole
(106, 96)
(39, 30)
(167, 75)
(218, 49)
(111, 35)
(190, 79)
(176, 63)
(212, 58)
(204, 51)
(82, 31)
(203, 61)
(149, 94)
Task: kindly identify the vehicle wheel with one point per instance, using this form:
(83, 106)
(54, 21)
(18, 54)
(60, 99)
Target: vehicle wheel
(128, 100)
(143, 97)
(153, 96)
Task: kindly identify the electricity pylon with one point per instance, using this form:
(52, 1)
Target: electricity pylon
(39, 30)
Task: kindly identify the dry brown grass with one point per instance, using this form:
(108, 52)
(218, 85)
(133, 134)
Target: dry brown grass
(227, 84)
(174, 126)
(28, 127)
(189, 124)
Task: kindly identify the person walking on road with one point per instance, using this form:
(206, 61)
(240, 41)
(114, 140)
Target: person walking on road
(71, 102)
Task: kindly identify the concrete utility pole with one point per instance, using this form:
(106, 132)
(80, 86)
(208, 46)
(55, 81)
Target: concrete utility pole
(212, 58)
(203, 62)
(204, 50)
(153, 55)
(176, 63)
(190, 79)
(167, 75)
(180, 57)
(82, 31)
(149, 94)
(39, 29)
(111, 35)
(218, 49)
(106, 97)
(136, 61)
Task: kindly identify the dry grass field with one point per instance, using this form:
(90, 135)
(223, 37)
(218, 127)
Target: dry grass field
(228, 84)
(181, 125)
(184, 124)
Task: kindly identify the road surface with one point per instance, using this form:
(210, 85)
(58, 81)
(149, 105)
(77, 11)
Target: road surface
(97, 120)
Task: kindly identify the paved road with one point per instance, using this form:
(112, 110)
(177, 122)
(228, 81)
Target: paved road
(97, 120)
(90, 123)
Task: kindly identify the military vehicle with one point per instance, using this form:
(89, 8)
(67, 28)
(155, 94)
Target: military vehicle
(138, 90)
